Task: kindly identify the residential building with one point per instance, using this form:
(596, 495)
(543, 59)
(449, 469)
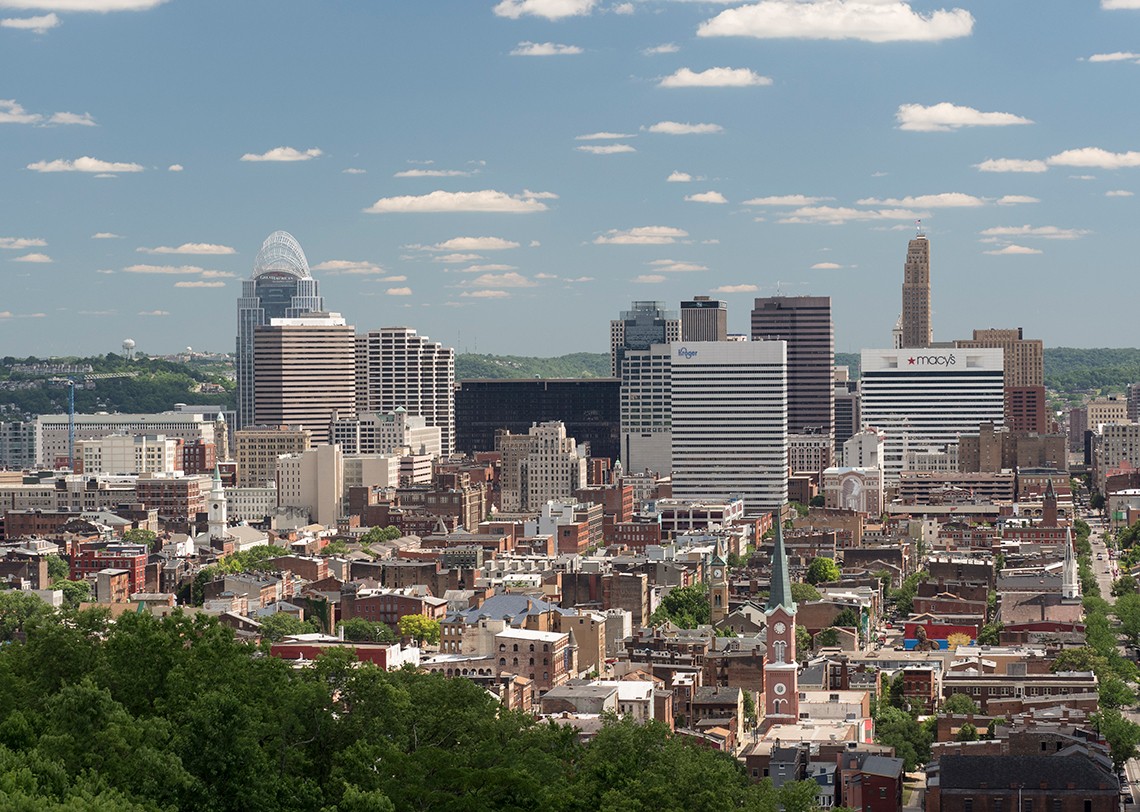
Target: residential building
(640, 327)
(129, 454)
(804, 323)
(1070, 779)
(704, 319)
(809, 453)
(394, 431)
(915, 322)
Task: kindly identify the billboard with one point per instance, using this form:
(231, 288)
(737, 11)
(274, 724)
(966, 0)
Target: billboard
(935, 636)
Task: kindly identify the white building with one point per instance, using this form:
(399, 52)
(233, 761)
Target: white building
(864, 449)
(129, 454)
(396, 367)
(859, 489)
(539, 466)
(51, 430)
(251, 504)
(313, 481)
(730, 422)
(392, 432)
(371, 469)
(928, 397)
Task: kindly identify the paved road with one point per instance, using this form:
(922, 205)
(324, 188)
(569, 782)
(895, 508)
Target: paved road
(1102, 565)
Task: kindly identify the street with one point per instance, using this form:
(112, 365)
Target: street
(1102, 565)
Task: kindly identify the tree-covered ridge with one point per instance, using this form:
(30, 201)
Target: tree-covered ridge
(177, 714)
(574, 365)
(1072, 369)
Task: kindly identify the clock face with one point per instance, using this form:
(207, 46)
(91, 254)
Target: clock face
(215, 506)
(716, 573)
(779, 689)
(780, 628)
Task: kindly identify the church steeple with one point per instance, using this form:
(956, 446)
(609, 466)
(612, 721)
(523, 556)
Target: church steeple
(217, 513)
(781, 669)
(780, 588)
(1070, 578)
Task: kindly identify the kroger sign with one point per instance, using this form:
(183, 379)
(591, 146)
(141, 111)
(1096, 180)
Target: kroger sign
(685, 352)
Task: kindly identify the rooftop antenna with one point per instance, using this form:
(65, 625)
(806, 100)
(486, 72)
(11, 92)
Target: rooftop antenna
(918, 227)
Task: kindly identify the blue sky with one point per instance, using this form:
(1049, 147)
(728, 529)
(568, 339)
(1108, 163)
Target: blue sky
(506, 176)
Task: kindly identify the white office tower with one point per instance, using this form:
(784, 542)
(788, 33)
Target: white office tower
(646, 411)
(730, 422)
(396, 368)
(925, 398)
(864, 449)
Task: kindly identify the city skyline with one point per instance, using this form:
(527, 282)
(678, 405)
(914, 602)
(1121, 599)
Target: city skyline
(444, 166)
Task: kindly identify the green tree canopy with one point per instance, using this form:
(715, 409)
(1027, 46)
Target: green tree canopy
(359, 630)
(1122, 735)
(137, 535)
(375, 535)
(802, 593)
(959, 704)
(822, 570)
(420, 628)
(687, 607)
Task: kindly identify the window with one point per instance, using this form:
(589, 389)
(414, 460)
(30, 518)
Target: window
(967, 804)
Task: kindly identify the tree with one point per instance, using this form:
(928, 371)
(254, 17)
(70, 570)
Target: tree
(74, 592)
(1127, 611)
(1084, 658)
(799, 796)
(376, 535)
(280, 625)
(57, 568)
(687, 607)
(967, 733)
(803, 642)
(1122, 735)
(898, 729)
(420, 628)
(749, 710)
(18, 610)
(827, 638)
(821, 570)
(137, 535)
(359, 630)
(848, 617)
(819, 500)
(802, 593)
(959, 704)
(1115, 693)
(990, 634)
(1124, 585)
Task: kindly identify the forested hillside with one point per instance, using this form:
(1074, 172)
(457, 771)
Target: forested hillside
(575, 365)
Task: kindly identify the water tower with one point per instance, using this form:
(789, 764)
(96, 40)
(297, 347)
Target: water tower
(129, 347)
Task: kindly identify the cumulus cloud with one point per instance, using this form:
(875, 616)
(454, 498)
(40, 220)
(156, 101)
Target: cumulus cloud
(398, 292)
(868, 20)
(486, 200)
(1012, 200)
(706, 197)
(623, 8)
(105, 235)
(455, 258)
(189, 248)
(715, 77)
(82, 119)
(154, 312)
(484, 294)
(679, 177)
(603, 136)
(1095, 157)
(285, 154)
(663, 48)
(1011, 165)
(945, 117)
(649, 279)
(550, 9)
(502, 280)
(545, 49)
(945, 200)
(34, 257)
(826, 266)
(605, 149)
(8, 314)
(84, 164)
(430, 173)
(786, 200)
(38, 25)
(1116, 56)
(1118, 193)
(352, 170)
(493, 266)
(12, 112)
(174, 168)
(679, 128)
(838, 215)
(579, 279)
(642, 235)
(168, 270)
(198, 283)
(1011, 250)
(1047, 232)
(736, 289)
(673, 266)
(471, 244)
(348, 267)
(21, 243)
(1120, 4)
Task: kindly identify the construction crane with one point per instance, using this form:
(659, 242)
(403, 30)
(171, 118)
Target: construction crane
(70, 381)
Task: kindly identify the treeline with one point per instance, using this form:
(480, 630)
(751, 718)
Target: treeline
(1071, 369)
(176, 714)
(575, 365)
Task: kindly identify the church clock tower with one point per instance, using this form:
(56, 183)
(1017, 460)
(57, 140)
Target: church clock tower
(718, 586)
(781, 670)
(216, 507)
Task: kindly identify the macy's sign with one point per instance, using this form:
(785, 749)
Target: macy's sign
(932, 360)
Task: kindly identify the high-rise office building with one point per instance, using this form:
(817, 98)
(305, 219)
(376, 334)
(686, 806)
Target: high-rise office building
(804, 322)
(280, 287)
(396, 367)
(646, 410)
(704, 319)
(257, 449)
(729, 422)
(644, 324)
(303, 372)
(541, 465)
(1025, 408)
(922, 399)
(916, 329)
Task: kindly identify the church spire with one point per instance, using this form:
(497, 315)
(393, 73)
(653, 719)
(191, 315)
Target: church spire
(1070, 577)
(780, 586)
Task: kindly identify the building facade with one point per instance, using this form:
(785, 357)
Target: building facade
(644, 324)
(258, 447)
(704, 319)
(916, 327)
(804, 322)
(540, 466)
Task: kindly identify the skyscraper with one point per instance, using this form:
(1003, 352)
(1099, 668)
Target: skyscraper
(804, 322)
(396, 368)
(1025, 408)
(644, 324)
(916, 330)
(280, 287)
(704, 319)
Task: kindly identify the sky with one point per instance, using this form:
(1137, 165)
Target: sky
(506, 177)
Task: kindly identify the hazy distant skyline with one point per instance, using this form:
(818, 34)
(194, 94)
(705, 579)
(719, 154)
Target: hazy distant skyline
(507, 176)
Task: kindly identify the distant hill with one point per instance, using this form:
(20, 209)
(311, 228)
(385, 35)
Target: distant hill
(575, 365)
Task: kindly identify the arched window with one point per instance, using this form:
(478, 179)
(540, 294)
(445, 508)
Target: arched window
(502, 661)
(780, 650)
(777, 704)
(532, 646)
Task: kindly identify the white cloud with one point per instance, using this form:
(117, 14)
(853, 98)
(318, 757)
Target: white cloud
(488, 267)
(35, 257)
(82, 119)
(84, 164)
(1120, 4)
(605, 149)
(348, 267)
(189, 248)
(431, 173)
(663, 48)
(396, 278)
(38, 25)
(678, 128)
(623, 8)
(603, 136)
(82, 5)
(649, 279)
(198, 283)
(485, 294)
(456, 258)
(8, 314)
(168, 270)
(826, 266)
(545, 49)
(354, 171)
(545, 276)
(486, 200)
(706, 197)
(154, 312)
(1011, 165)
(1095, 157)
(642, 235)
(945, 117)
(1118, 193)
(1082, 177)
(679, 177)
(283, 154)
(868, 20)
(1047, 232)
(174, 168)
(105, 235)
(1116, 56)
(945, 200)
(715, 77)
(502, 280)
(550, 9)
(838, 215)
(217, 275)
(399, 291)
(1011, 250)
(786, 200)
(21, 243)
(12, 112)
(527, 194)
(471, 244)
(579, 279)
(673, 266)
(736, 289)
(1012, 200)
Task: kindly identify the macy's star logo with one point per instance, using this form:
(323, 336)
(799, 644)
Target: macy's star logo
(910, 360)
